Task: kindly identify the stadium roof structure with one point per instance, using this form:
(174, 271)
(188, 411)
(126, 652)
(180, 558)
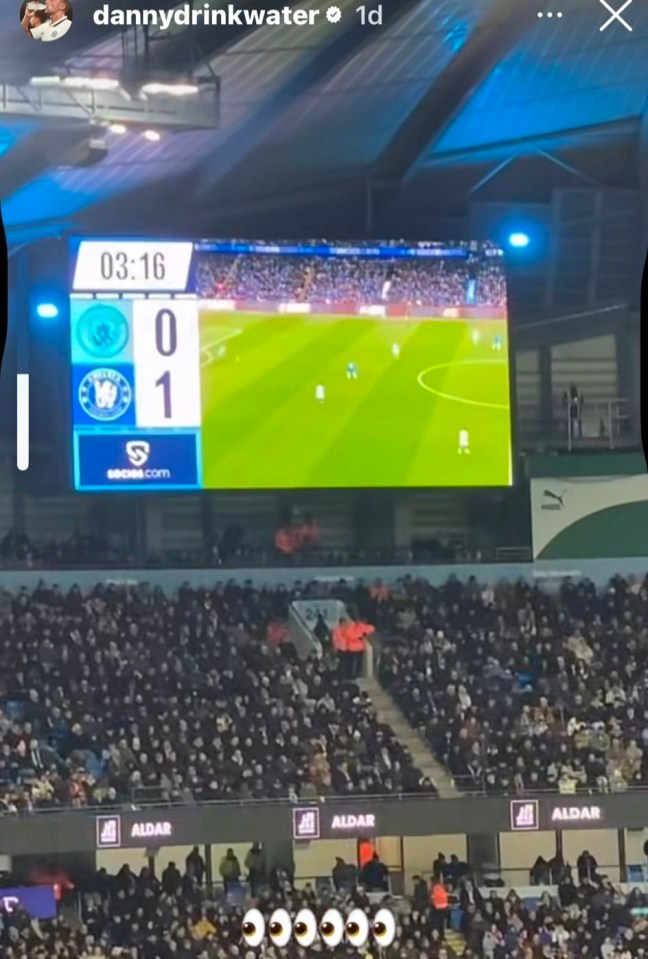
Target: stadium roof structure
(454, 89)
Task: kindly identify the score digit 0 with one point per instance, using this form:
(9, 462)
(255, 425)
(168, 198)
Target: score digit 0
(166, 347)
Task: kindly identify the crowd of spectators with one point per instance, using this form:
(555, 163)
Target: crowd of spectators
(588, 920)
(229, 548)
(178, 916)
(267, 277)
(173, 916)
(126, 692)
(518, 687)
(79, 549)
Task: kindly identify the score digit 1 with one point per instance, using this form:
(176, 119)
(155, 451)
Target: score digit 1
(166, 350)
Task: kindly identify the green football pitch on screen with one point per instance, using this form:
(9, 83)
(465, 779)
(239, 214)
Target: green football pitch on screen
(302, 401)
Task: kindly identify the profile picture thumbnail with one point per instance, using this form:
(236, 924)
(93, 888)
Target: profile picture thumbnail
(46, 19)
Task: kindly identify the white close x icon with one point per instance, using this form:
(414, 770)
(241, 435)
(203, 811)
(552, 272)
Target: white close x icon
(616, 15)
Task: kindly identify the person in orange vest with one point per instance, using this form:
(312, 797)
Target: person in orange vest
(440, 903)
(358, 633)
(52, 876)
(366, 852)
(284, 543)
(277, 632)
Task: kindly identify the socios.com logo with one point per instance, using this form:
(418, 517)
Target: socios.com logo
(138, 452)
(332, 929)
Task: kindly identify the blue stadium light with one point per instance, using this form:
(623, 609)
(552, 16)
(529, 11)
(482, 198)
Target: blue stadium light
(47, 311)
(519, 240)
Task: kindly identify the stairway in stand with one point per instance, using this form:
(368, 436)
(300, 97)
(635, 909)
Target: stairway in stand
(455, 941)
(390, 714)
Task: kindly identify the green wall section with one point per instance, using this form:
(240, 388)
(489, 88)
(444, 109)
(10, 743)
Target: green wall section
(616, 531)
(590, 516)
(586, 464)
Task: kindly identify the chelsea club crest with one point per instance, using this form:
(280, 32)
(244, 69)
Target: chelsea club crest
(105, 394)
(103, 331)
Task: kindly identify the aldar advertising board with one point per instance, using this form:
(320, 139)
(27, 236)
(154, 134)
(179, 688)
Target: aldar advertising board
(314, 822)
(529, 815)
(112, 834)
(228, 823)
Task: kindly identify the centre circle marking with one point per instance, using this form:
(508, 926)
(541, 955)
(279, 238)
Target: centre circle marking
(460, 399)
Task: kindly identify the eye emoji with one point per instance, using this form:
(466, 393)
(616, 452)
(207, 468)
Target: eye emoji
(384, 928)
(253, 928)
(357, 928)
(305, 928)
(280, 927)
(332, 927)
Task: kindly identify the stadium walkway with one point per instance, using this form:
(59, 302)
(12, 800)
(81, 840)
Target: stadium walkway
(389, 713)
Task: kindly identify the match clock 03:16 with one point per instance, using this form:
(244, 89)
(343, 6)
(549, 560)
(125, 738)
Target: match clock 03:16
(136, 266)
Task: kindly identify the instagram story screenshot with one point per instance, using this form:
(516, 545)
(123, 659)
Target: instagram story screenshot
(323, 495)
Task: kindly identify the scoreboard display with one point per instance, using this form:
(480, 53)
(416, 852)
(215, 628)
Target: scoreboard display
(229, 365)
(135, 366)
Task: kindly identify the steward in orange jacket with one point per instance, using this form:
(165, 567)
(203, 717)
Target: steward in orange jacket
(439, 896)
(440, 902)
(358, 633)
(284, 541)
(350, 639)
(341, 636)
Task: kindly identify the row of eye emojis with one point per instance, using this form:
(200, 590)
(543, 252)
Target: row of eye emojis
(333, 928)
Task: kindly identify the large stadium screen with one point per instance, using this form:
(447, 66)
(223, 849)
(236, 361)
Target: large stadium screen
(249, 365)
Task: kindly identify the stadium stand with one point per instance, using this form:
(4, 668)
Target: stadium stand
(230, 549)
(518, 689)
(130, 706)
(119, 695)
(515, 688)
(142, 916)
(266, 277)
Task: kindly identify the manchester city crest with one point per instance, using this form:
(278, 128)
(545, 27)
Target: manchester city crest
(103, 331)
(105, 394)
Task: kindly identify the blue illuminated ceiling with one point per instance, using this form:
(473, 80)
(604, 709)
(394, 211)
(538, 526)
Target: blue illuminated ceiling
(12, 131)
(363, 104)
(558, 81)
(565, 75)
